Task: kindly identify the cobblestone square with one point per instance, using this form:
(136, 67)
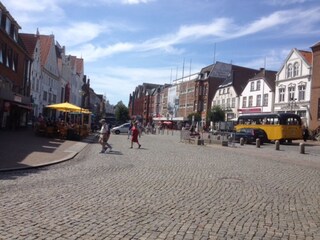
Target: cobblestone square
(166, 190)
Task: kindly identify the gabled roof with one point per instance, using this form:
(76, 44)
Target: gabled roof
(29, 41)
(45, 43)
(268, 76)
(316, 45)
(307, 56)
(79, 65)
(239, 78)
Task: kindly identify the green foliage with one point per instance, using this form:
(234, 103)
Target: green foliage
(197, 117)
(121, 112)
(216, 114)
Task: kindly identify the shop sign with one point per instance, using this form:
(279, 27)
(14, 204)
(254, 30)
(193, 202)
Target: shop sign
(17, 98)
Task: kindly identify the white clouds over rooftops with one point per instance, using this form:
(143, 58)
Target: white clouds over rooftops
(218, 30)
(142, 40)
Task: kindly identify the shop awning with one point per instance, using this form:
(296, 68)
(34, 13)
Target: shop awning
(23, 106)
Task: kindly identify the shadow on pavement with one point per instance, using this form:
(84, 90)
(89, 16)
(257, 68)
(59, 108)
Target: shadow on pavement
(21, 149)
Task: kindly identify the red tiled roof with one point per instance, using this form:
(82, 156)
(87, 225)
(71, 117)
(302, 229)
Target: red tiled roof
(307, 56)
(45, 42)
(29, 41)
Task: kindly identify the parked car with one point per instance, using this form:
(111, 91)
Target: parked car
(124, 128)
(250, 135)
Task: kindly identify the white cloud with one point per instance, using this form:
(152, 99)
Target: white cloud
(136, 1)
(271, 59)
(119, 82)
(92, 53)
(284, 2)
(75, 33)
(219, 30)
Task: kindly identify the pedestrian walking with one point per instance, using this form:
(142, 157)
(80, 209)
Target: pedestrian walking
(129, 130)
(135, 135)
(305, 134)
(104, 136)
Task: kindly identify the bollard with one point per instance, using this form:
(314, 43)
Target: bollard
(209, 137)
(241, 141)
(258, 142)
(301, 147)
(224, 143)
(277, 143)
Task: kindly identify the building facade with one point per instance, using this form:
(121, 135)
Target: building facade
(15, 62)
(315, 89)
(258, 95)
(293, 85)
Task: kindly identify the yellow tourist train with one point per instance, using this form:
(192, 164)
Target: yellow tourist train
(277, 126)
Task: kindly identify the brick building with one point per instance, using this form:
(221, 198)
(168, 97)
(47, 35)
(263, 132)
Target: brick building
(15, 65)
(315, 88)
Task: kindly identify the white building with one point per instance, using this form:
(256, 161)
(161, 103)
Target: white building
(293, 85)
(50, 80)
(32, 44)
(258, 95)
(228, 93)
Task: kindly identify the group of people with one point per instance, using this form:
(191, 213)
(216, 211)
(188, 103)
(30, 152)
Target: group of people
(105, 132)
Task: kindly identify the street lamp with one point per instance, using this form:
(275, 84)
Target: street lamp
(292, 104)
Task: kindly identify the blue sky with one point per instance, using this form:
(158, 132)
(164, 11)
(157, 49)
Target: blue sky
(125, 43)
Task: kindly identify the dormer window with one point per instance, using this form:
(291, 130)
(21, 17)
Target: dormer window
(289, 71)
(0, 17)
(296, 69)
(8, 25)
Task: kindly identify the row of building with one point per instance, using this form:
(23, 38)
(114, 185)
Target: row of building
(295, 88)
(35, 71)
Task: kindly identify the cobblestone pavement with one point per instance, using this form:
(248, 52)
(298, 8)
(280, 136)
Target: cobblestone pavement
(165, 190)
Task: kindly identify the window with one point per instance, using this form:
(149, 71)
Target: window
(252, 86)
(258, 103)
(228, 103)
(291, 90)
(289, 71)
(244, 102)
(8, 25)
(318, 108)
(15, 34)
(265, 99)
(302, 92)
(1, 54)
(45, 93)
(0, 17)
(258, 85)
(281, 94)
(250, 101)
(296, 69)
(233, 102)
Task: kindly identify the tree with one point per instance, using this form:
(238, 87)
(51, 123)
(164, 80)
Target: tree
(216, 114)
(121, 112)
(197, 117)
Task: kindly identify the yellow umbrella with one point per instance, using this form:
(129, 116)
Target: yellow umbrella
(65, 107)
